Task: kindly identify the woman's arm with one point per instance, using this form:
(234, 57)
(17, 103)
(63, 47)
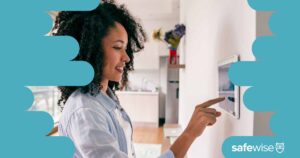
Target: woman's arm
(202, 117)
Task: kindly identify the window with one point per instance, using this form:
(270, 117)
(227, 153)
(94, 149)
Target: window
(45, 99)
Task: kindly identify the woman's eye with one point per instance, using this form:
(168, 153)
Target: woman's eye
(117, 48)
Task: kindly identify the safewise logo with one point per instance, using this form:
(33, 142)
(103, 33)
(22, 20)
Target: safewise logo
(277, 147)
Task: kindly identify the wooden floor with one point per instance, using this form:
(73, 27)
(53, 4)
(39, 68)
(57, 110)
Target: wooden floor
(147, 134)
(142, 133)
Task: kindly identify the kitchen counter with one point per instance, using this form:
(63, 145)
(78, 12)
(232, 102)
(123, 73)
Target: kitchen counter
(137, 92)
(141, 106)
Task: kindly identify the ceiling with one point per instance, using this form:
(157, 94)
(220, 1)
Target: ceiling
(148, 9)
(152, 9)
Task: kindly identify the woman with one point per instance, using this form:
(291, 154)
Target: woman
(92, 116)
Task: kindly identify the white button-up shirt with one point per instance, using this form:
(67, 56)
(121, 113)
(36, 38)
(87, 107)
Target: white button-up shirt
(92, 124)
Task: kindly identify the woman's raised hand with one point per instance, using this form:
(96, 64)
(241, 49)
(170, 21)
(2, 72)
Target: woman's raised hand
(202, 117)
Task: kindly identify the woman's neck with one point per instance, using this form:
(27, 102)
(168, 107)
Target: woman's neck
(104, 86)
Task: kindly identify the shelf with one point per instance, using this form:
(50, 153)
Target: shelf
(176, 66)
(227, 91)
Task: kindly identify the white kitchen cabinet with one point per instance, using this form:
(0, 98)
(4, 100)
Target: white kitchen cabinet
(148, 58)
(142, 107)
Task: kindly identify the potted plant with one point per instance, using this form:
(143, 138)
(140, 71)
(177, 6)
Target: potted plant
(172, 38)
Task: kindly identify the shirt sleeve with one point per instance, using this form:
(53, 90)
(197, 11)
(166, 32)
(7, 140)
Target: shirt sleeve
(167, 154)
(90, 134)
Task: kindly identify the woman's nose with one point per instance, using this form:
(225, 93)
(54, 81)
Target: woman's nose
(126, 58)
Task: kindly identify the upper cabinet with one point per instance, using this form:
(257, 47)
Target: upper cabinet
(148, 58)
(153, 14)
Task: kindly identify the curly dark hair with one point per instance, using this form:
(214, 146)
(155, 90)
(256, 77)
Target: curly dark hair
(89, 28)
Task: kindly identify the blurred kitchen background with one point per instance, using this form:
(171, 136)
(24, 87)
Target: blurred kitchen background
(161, 98)
(152, 78)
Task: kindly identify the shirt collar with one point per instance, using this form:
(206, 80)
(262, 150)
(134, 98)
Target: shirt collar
(110, 103)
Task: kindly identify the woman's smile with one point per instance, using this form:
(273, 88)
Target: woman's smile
(120, 69)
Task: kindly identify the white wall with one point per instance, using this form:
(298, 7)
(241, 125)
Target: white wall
(215, 29)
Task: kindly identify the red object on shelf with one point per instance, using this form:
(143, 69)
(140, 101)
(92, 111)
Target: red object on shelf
(173, 56)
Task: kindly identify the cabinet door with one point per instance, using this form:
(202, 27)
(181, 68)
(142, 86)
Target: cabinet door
(140, 107)
(147, 59)
(172, 102)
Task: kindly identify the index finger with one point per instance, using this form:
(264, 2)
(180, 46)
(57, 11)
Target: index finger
(211, 102)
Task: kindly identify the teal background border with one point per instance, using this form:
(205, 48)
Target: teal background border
(29, 58)
(274, 81)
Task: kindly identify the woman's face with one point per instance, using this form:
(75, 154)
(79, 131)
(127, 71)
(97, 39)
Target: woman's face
(115, 56)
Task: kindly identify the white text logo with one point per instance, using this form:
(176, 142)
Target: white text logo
(278, 147)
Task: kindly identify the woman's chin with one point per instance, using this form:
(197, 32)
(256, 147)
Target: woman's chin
(117, 79)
